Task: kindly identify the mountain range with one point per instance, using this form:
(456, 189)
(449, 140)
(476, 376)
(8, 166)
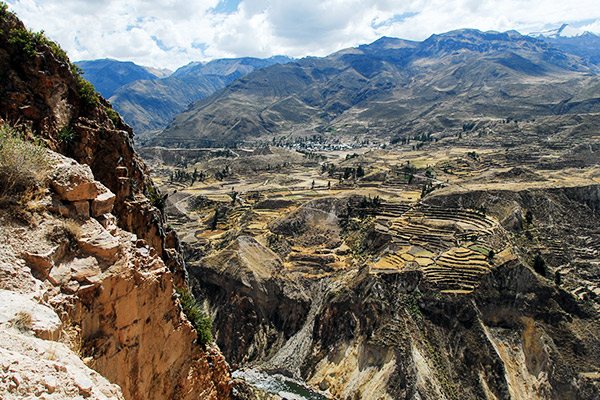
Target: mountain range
(394, 87)
(108, 75)
(149, 98)
(572, 40)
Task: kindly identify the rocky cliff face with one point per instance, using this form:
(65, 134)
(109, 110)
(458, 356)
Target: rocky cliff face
(42, 92)
(426, 316)
(93, 250)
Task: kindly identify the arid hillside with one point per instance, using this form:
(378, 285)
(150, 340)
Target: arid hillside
(393, 89)
(463, 265)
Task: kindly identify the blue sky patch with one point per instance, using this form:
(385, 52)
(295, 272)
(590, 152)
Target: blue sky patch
(395, 19)
(227, 6)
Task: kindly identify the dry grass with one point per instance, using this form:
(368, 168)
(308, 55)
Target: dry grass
(66, 231)
(22, 321)
(23, 167)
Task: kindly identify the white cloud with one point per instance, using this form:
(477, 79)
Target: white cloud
(592, 27)
(172, 33)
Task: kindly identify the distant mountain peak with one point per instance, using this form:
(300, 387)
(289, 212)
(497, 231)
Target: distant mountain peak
(564, 31)
(386, 42)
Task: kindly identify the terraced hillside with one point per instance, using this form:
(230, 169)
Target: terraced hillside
(384, 271)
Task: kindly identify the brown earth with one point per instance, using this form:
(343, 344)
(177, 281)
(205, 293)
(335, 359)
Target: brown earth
(414, 280)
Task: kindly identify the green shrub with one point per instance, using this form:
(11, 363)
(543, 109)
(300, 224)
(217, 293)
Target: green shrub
(200, 319)
(87, 92)
(4, 10)
(112, 114)
(23, 41)
(27, 42)
(57, 50)
(23, 164)
(539, 265)
(159, 201)
(67, 135)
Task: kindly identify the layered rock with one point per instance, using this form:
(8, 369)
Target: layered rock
(41, 91)
(114, 295)
(96, 250)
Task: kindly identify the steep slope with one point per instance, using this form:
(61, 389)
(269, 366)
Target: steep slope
(93, 248)
(149, 104)
(108, 75)
(392, 87)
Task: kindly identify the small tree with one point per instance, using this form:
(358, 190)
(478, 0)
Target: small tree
(215, 220)
(529, 217)
(557, 278)
(539, 265)
(360, 172)
(234, 196)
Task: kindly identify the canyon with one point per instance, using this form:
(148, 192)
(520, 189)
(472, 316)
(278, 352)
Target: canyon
(415, 280)
(448, 251)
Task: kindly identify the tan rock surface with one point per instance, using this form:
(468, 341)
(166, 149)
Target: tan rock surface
(21, 311)
(117, 308)
(104, 202)
(43, 369)
(130, 304)
(71, 180)
(98, 241)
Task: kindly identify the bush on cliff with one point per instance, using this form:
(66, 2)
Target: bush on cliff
(539, 265)
(23, 165)
(25, 44)
(198, 317)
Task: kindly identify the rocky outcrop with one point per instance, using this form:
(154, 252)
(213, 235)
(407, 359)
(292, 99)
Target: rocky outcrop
(47, 369)
(114, 296)
(41, 91)
(94, 251)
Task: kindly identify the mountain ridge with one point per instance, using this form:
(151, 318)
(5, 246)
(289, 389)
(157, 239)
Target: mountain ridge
(584, 44)
(391, 86)
(148, 101)
(107, 74)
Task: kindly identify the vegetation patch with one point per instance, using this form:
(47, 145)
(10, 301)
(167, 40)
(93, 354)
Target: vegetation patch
(357, 235)
(87, 92)
(199, 318)
(67, 135)
(113, 115)
(22, 321)
(26, 42)
(23, 165)
(158, 200)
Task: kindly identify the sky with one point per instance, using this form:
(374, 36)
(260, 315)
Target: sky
(172, 33)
